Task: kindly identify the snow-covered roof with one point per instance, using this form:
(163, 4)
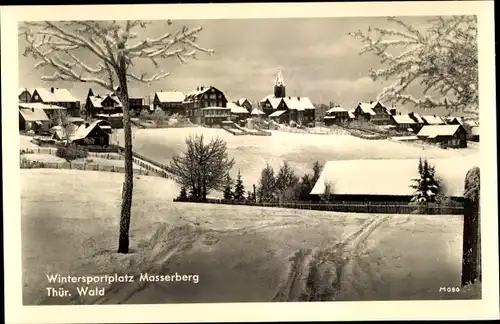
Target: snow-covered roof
(277, 113)
(298, 103)
(471, 123)
(336, 109)
(235, 109)
(418, 118)
(433, 120)
(257, 112)
(274, 101)
(404, 138)
(403, 119)
(82, 131)
(367, 108)
(351, 113)
(475, 131)
(241, 101)
(96, 101)
(438, 130)
(390, 176)
(216, 108)
(34, 114)
(58, 95)
(39, 105)
(170, 96)
(451, 119)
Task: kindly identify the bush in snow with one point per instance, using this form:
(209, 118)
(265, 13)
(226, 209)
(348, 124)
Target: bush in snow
(71, 152)
(426, 185)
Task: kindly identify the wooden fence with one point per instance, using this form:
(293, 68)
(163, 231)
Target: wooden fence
(81, 166)
(346, 207)
(112, 155)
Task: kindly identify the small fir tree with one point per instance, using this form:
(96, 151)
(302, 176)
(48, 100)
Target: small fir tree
(426, 186)
(239, 189)
(228, 190)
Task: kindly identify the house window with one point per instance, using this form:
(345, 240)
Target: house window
(213, 96)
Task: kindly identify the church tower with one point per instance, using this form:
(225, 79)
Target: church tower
(279, 87)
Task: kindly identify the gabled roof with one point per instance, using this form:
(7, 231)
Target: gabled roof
(336, 109)
(82, 131)
(418, 118)
(403, 119)
(59, 95)
(277, 113)
(390, 176)
(195, 94)
(170, 96)
(96, 101)
(242, 101)
(34, 114)
(235, 109)
(438, 130)
(451, 119)
(298, 103)
(351, 113)
(471, 123)
(40, 105)
(433, 120)
(366, 108)
(256, 112)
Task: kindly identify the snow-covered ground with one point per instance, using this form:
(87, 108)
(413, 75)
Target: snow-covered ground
(251, 153)
(70, 226)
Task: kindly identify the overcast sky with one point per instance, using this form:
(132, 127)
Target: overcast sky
(317, 57)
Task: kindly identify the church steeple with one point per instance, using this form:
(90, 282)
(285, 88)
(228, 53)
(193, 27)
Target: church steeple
(279, 87)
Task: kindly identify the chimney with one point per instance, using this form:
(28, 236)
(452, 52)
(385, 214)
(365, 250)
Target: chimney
(52, 89)
(289, 97)
(393, 111)
(87, 124)
(32, 109)
(371, 101)
(298, 98)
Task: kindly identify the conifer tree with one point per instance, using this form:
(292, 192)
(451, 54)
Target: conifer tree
(228, 190)
(426, 186)
(239, 189)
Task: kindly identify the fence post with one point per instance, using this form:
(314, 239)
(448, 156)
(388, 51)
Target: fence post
(471, 253)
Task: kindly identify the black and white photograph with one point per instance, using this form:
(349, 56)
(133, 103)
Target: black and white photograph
(213, 160)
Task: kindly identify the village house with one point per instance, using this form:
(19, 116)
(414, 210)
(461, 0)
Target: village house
(135, 101)
(373, 112)
(108, 104)
(386, 180)
(57, 97)
(433, 120)
(52, 111)
(171, 102)
(238, 113)
(214, 116)
(404, 123)
(33, 119)
(256, 112)
(474, 134)
(454, 136)
(244, 103)
(337, 115)
(300, 109)
(25, 95)
(204, 97)
(90, 134)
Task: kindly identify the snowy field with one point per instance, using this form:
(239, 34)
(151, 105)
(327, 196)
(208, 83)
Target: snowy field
(70, 226)
(251, 153)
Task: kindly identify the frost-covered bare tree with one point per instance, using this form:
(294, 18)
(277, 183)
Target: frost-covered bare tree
(443, 59)
(103, 53)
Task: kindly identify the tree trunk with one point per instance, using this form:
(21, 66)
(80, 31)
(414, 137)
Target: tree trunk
(123, 243)
(471, 253)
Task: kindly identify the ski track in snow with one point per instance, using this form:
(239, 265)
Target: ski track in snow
(312, 274)
(317, 275)
(166, 244)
